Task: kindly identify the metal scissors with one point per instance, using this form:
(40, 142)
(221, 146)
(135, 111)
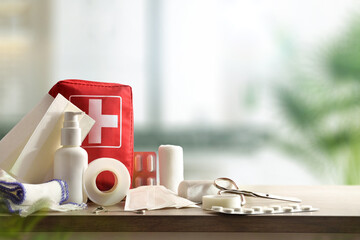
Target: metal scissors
(243, 193)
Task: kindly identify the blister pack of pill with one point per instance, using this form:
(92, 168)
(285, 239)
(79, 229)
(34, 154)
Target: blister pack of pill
(145, 172)
(257, 210)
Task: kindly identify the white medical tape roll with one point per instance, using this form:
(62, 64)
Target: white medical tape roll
(121, 185)
(226, 201)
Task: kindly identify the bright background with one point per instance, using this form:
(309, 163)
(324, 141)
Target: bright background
(264, 92)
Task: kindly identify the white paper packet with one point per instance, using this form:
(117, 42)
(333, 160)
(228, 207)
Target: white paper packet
(27, 151)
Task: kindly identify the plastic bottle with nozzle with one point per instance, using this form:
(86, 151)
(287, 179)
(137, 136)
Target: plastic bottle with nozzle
(71, 132)
(71, 160)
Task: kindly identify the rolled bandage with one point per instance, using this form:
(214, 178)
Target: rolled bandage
(25, 198)
(194, 190)
(121, 185)
(225, 201)
(171, 166)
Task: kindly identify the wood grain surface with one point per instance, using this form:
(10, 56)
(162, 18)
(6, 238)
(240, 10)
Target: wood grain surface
(339, 213)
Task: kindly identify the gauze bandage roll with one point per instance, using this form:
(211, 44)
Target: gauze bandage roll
(25, 198)
(171, 166)
(121, 185)
(226, 201)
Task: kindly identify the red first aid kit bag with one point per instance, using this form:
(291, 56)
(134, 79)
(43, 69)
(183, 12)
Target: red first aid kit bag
(110, 105)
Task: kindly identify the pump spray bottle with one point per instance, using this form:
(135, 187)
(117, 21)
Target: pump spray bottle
(71, 160)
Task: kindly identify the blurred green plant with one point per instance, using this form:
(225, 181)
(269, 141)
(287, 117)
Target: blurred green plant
(15, 227)
(322, 104)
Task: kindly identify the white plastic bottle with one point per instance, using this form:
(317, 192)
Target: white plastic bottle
(71, 160)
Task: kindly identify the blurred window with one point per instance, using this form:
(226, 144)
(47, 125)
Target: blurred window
(204, 73)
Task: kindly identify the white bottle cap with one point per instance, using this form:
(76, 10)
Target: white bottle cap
(71, 132)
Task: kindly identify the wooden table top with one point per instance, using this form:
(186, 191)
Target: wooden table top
(339, 213)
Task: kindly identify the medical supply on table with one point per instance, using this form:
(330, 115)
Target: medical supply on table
(194, 190)
(101, 209)
(221, 184)
(25, 199)
(262, 210)
(71, 160)
(145, 172)
(226, 201)
(154, 197)
(110, 105)
(121, 181)
(27, 151)
(171, 166)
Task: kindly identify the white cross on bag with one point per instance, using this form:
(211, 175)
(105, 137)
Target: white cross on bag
(101, 121)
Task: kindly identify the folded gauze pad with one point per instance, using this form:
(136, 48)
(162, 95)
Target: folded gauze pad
(121, 183)
(194, 190)
(154, 197)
